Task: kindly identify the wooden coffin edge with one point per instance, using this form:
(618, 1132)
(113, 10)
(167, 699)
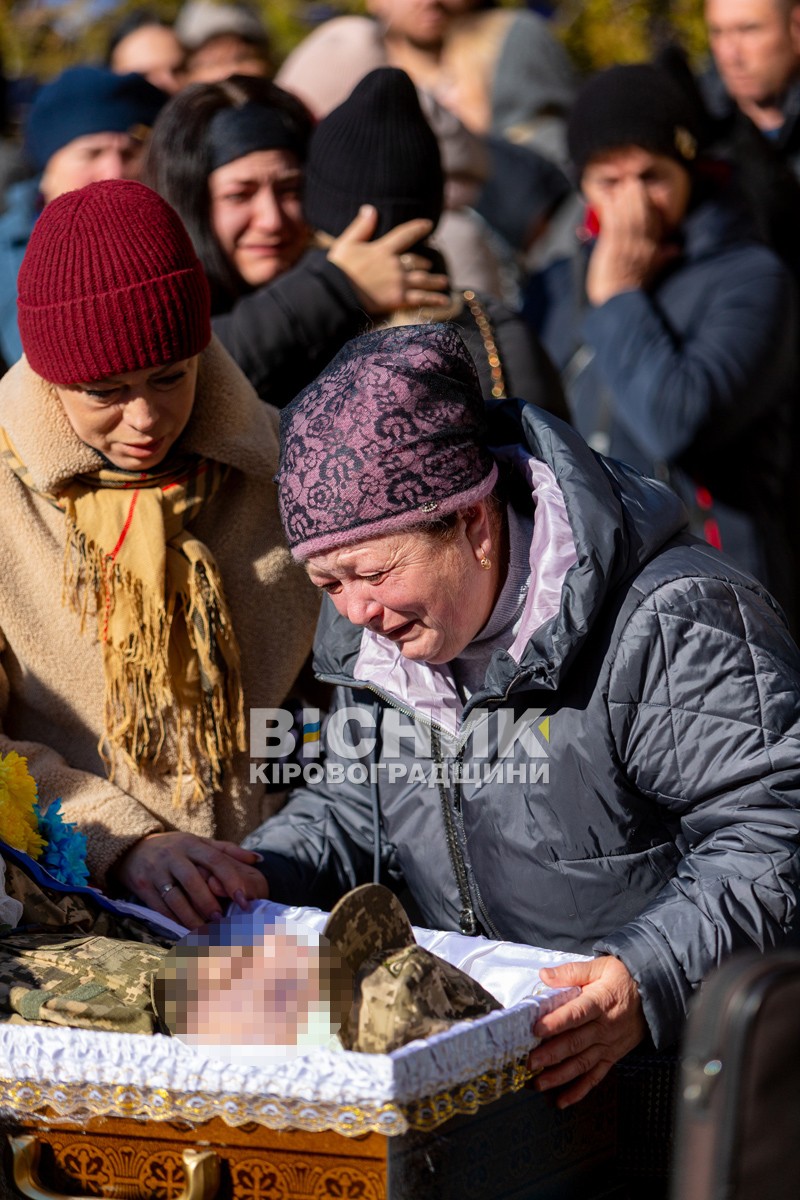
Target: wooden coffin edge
(22, 1099)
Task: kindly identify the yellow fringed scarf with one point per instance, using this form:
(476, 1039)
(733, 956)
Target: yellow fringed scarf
(170, 655)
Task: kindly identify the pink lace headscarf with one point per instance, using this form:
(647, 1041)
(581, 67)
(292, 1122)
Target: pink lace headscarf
(391, 433)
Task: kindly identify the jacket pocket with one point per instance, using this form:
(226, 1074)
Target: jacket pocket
(611, 889)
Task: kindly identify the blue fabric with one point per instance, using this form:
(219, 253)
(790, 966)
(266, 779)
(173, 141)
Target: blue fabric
(43, 877)
(16, 225)
(85, 100)
(696, 375)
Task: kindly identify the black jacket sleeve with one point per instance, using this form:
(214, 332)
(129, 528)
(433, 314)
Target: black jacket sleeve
(285, 333)
(667, 390)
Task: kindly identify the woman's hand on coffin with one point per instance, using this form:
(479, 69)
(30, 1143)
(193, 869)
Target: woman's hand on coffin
(190, 878)
(585, 1037)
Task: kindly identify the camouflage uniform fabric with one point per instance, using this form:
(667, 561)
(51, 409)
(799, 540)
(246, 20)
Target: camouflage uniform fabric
(71, 962)
(400, 990)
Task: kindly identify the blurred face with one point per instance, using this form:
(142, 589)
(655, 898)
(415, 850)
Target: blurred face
(133, 419)
(426, 594)
(224, 56)
(89, 159)
(152, 51)
(256, 213)
(756, 44)
(421, 22)
(664, 185)
(263, 992)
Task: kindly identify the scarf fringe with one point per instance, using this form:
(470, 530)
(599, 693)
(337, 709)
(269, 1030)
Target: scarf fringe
(141, 699)
(171, 660)
(221, 731)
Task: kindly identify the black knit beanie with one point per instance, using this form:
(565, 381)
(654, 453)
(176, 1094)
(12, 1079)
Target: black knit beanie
(375, 148)
(633, 106)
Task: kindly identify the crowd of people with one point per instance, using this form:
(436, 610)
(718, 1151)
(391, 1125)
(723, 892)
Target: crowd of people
(489, 376)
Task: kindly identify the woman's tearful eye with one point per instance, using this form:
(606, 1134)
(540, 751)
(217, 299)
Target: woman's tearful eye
(104, 394)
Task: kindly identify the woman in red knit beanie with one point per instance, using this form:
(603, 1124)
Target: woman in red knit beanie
(140, 549)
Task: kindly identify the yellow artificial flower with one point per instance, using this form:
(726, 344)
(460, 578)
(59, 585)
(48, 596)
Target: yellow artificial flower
(19, 825)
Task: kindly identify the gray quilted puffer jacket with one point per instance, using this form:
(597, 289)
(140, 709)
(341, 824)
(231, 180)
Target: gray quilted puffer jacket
(648, 803)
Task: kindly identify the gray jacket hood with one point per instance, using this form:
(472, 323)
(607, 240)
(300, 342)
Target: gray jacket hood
(533, 78)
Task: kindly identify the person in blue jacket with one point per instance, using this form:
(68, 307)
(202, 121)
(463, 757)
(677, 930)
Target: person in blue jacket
(85, 126)
(560, 718)
(674, 330)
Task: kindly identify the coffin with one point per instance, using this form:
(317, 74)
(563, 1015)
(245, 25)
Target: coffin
(90, 1113)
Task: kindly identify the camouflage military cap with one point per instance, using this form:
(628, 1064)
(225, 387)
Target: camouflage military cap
(369, 920)
(400, 990)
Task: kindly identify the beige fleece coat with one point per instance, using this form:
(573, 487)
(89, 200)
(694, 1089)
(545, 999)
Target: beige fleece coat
(51, 674)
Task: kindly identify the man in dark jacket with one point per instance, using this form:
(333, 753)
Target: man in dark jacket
(756, 48)
(87, 125)
(608, 767)
(673, 329)
(752, 97)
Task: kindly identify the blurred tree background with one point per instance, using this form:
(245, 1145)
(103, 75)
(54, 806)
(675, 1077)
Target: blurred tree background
(40, 37)
(599, 33)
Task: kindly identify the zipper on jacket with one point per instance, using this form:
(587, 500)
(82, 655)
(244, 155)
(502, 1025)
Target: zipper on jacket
(454, 830)
(468, 921)
(461, 840)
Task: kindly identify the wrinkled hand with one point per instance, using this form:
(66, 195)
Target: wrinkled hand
(630, 250)
(383, 274)
(203, 874)
(586, 1036)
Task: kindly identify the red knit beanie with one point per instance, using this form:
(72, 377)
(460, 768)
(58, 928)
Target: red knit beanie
(110, 283)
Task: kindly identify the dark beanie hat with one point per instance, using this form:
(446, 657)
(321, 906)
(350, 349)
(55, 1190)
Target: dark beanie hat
(392, 434)
(375, 148)
(637, 105)
(110, 283)
(86, 100)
